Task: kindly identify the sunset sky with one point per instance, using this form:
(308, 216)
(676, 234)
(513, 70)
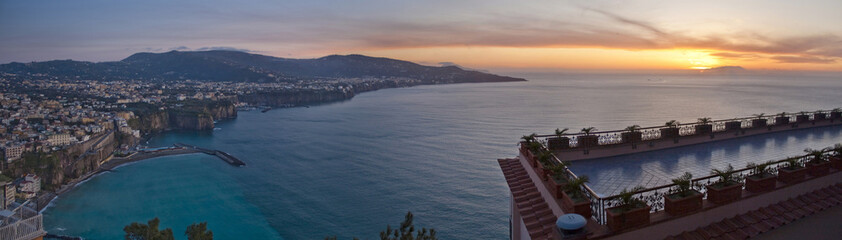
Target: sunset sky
(784, 35)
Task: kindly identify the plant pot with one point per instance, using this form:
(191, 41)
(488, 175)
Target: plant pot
(733, 125)
(531, 158)
(675, 205)
(819, 116)
(577, 206)
(704, 129)
(556, 184)
(557, 143)
(631, 137)
(724, 194)
(790, 176)
(781, 120)
(761, 183)
(543, 171)
(758, 123)
(588, 141)
(836, 162)
(618, 220)
(818, 169)
(835, 115)
(802, 118)
(669, 133)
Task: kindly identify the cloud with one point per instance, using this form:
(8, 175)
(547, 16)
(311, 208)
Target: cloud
(180, 48)
(449, 64)
(802, 59)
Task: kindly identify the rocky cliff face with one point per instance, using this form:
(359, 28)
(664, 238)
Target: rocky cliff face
(194, 117)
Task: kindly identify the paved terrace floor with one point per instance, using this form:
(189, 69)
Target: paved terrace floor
(609, 176)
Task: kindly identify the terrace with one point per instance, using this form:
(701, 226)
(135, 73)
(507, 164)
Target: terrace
(615, 209)
(20, 222)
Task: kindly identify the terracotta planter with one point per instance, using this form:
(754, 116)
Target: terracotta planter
(618, 220)
(675, 205)
(631, 137)
(835, 115)
(820, 169)
(836, 162)
(733, 125)
(704, 129)
(588, 141)
(724, 194)
(669, 133)
(531, 158)
(792, 176)
(558, 143)
(556, 184)
(781, 120)
(543, 171)
(761, 183)
(819, 116)
(757, 123)
(802, 118)
(577, 206)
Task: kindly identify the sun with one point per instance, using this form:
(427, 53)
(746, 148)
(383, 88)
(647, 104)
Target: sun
(700, 60)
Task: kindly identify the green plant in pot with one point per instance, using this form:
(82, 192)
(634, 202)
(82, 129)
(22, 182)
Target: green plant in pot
(759, 120)
(818, 164)
(558, 179)
(560, 141)
(836, 157)
(525, 145)
(588, 140)
(761, 178)
(632, 134)
(782, 119)
(683, 198)
(544, 165)
(671, 130)
(574, 199)
(836, 113)
(802, 117)
(727, 188)
(631, 212)
(704, 126)
(793, 172)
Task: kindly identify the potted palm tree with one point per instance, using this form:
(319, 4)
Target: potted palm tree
(836, 113)
(761, 179)
(683, 198)
(631, 212)
(704, 126)
(588, 140)
(733, 125)
(560, 141)
(759, 121)
(802, 117)
(836, 158)
(727, 189)
(671, 130)
(632, 134)
(793, 172)
(574, 199)
(525, 144)
(544, 165)
(818, 165)
(558, 180)
(782, 119)
(819, 115)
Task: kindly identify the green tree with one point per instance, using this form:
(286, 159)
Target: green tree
(199, 231)
(149, 231)
(405, 232)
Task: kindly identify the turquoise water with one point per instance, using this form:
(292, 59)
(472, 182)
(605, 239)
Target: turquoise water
(350, 168)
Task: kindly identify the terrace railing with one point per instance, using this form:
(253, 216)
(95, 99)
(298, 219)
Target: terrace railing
(25, 224)
(687, 129)
(654, 197)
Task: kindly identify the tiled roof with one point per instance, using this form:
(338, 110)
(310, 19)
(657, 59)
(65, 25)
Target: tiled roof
(536, 214)
(770, 217)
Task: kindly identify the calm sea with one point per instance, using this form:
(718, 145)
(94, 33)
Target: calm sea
(350, 168)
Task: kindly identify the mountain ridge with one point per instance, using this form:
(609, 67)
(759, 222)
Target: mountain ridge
(226, 65)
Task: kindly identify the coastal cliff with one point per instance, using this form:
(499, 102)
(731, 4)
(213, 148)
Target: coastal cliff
(198, 115)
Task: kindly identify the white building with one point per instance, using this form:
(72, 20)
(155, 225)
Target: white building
(60, 139)
(30, 186)
(13, 152)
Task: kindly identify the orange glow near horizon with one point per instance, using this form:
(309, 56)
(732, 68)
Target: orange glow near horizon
(586, 58)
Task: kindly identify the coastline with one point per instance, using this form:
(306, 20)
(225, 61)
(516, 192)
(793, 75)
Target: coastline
(45, 201)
